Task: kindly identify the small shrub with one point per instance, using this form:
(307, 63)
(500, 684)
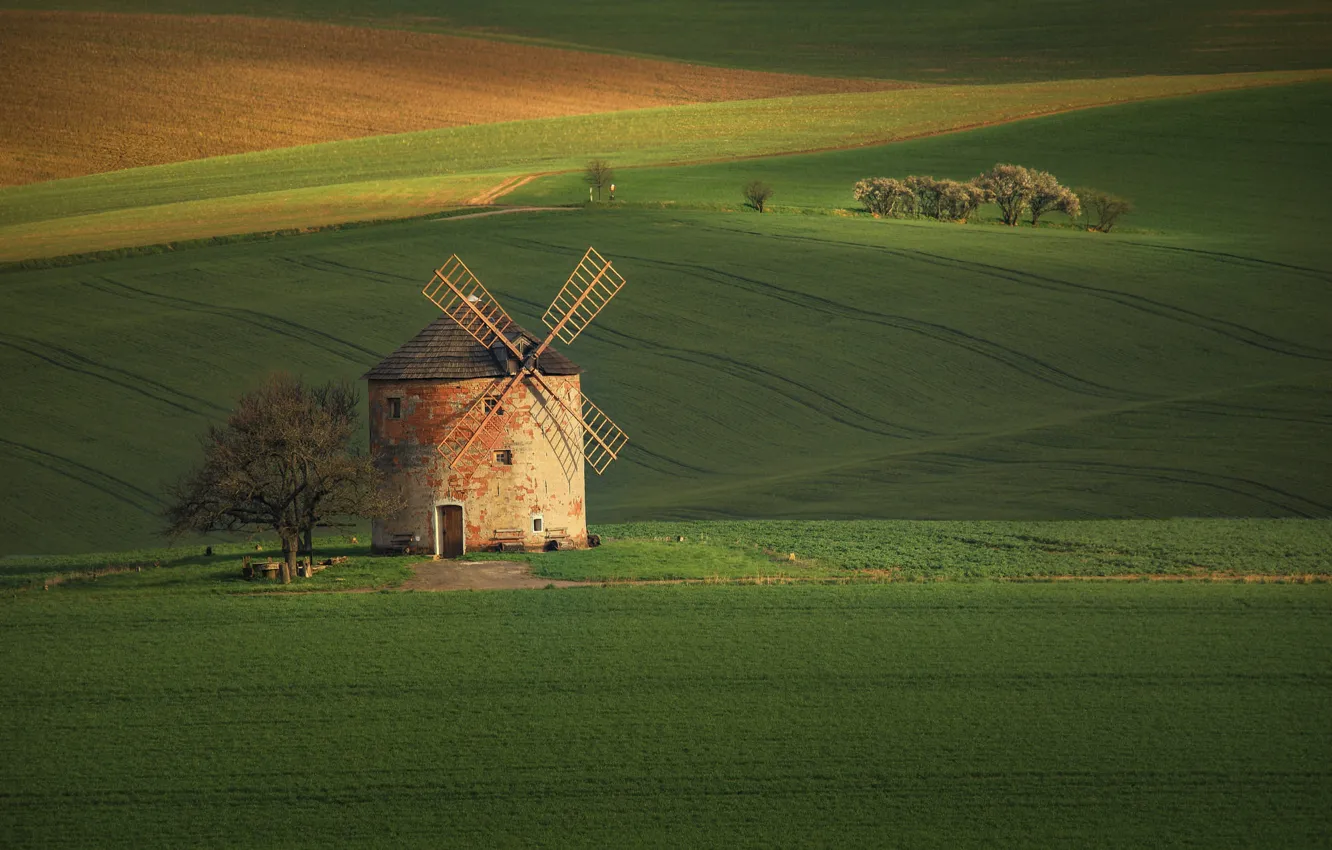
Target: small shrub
(1101, 210)
(884, 196)
(757, 194)
(958, 201)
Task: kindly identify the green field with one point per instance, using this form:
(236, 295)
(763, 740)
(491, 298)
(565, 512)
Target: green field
(949, 40)
(857, 585)
(929, 715)
(781, 366)
(951, 372)
(1276, 550)
(414, 173)
(1174, 158)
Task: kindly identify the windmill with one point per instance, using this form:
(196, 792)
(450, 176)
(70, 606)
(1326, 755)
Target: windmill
(461, 297)
(484, 425)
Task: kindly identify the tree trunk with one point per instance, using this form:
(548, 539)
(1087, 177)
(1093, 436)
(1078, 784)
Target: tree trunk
(288, 559)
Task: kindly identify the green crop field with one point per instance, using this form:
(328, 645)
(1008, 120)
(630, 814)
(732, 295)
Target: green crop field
(926, 534)
(939, 714)
(784, 366)
(898, 550)
(947, 40)
(412, 173)
(1174, 158)
(1278, 550)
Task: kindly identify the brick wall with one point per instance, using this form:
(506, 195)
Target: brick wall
(545, 478)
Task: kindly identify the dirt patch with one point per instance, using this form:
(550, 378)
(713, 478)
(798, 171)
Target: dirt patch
(477, 575)
(91, 92)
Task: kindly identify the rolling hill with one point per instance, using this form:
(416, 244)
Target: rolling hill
(88, 93)
(779, 366)
(946, 40)
(416, 173)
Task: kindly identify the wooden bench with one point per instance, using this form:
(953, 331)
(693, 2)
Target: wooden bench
(555, 538)
(403, 544)
(507, 539)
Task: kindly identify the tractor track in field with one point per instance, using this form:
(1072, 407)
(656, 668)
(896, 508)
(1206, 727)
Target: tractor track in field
(63, 358)
(827, 405)
(1159, 309)
(1019, 361)
(350, 351)
(1246, 487)
(117, 488)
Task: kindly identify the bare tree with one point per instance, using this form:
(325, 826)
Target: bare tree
(1048, 194)
(1009, 186)
(598, 175)
(757, 193)
(283, 462)
(1105, 209)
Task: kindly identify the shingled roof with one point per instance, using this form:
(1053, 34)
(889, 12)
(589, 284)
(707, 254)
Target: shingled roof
(444, 350)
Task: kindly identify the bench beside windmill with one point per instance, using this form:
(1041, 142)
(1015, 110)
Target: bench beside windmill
(485, 427)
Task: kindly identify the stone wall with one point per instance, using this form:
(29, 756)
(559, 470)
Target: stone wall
(501, 500)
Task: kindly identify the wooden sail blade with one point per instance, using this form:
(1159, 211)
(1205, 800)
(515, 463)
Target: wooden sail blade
(480, 427)
(594, 282)
(457, 292)
(602, 440)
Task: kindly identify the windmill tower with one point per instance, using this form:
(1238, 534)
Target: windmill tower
(485, 427)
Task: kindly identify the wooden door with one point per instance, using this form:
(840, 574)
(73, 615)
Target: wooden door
(450, 524)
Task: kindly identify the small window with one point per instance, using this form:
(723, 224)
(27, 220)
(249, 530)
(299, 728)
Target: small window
(537, 524)
(504, 457)
(492, 402)
(395, 408)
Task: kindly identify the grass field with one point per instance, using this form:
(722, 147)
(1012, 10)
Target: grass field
(992, 665)
(822, 550)
(1175, 158)
(930, 715)
(1204, 392)
(967, 40)
(401, 175)
(93, 93)
(898, 550)
(882, 369)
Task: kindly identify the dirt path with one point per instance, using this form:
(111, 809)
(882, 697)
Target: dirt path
(506, 211)
(490, 195)
(478, 575)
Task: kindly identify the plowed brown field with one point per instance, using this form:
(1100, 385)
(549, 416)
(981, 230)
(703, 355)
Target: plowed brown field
(82, 93)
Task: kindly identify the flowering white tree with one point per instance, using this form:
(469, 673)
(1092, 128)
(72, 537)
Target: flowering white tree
(885, 196)
(1009, 186)
(1048, 194)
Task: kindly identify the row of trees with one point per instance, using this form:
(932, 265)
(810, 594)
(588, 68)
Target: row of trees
(1016, 189)
(284, 462)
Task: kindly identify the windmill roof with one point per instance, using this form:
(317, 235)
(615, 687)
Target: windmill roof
(445, 350)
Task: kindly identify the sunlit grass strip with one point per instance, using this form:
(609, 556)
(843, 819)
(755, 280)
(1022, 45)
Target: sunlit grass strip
(314, 206)
(402, 173)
